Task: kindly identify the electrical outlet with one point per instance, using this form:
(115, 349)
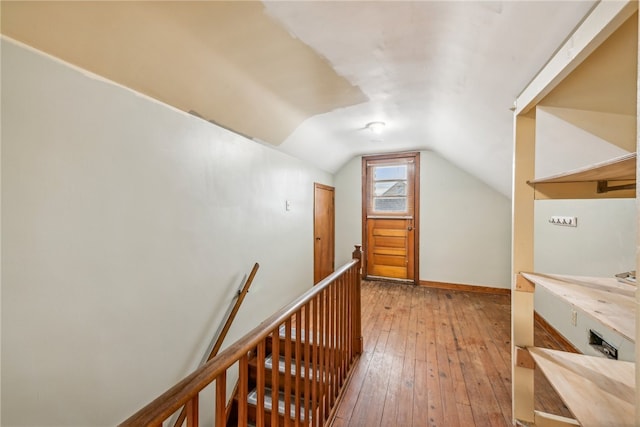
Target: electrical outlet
(597, 341)
(574, 317)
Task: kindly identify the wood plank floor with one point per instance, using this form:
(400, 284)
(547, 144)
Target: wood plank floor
(435, 357)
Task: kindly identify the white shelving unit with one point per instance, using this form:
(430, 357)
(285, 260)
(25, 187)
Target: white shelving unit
(595, 70)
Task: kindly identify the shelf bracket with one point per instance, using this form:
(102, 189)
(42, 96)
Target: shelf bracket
(524, 359)
(524, 285)
(604, 187)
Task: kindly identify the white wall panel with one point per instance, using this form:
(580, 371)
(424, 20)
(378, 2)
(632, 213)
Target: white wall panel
(602, 244)
(127, 229)
(465, 234)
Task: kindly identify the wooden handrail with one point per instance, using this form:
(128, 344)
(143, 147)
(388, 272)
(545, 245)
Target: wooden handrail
(189, 388)
(223, 333)
(232, 316)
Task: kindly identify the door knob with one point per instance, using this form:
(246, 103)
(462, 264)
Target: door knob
(409, 228)
(317, 238)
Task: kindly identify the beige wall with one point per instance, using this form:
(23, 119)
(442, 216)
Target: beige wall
(127, 228)
(348, 209)
(602, 244)
(465, 226)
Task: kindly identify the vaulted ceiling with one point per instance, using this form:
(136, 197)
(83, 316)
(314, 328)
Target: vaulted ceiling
(307, 76)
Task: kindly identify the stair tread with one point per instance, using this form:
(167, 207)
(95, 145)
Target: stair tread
(268, 363)
(252, 398)
(303, 335)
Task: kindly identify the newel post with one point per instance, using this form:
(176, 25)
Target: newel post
(357, 254)
(356, 303)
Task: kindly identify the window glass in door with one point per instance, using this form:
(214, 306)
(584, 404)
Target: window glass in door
(389, 192)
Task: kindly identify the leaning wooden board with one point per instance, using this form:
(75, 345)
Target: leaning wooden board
(599, 392)
(620, 168)
(606, 299)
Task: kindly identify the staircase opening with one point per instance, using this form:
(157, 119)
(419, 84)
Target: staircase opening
(291, 368)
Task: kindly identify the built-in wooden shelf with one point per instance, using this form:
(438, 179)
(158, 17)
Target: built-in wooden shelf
(621, 168)
(609, 301)
(599, 392)
(590, 76)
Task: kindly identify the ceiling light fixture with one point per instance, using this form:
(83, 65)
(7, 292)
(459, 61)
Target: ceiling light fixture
(376, 127)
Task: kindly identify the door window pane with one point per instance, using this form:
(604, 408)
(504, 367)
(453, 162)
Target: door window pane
(389, 192)
(390, 188)
(390, 172)
(390, 204)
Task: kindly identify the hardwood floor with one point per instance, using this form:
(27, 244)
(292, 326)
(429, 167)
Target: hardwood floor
(435, 357)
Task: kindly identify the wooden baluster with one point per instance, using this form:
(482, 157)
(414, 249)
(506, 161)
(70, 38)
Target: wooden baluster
(308, 333)
(346, 335)
(327, 351)
(344, 351)
(192, 411)
(347, 324)
(357, 320)
(322, 363)
(243, 391)
(331, 312)
(338, 339)
(298, 386)
(287, 373)
(275, 374)
(315, 368)
(221, 399)
(260, 383)
(349, 293)
(343, 331)
(330, 347)
(353, 283)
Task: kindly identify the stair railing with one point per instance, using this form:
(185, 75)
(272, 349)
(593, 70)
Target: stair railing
(320, 333)
(221, 333)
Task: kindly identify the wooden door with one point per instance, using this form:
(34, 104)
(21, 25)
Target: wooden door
(390, 251)
(390, 216)
(324, 231)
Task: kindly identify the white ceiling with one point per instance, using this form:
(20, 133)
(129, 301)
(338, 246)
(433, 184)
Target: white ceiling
(307, 76)
(441, 74)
